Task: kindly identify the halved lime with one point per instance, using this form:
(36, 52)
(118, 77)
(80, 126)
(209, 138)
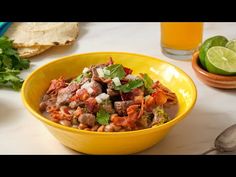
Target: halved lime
(211, 42)
(231, 45)
(221, 60)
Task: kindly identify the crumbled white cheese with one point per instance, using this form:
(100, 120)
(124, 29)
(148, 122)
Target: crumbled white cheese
(98, 100)
(131, 77)
(104, 96)
(85, 70)
(116, 81)
(101, 97)
(86, 85)
(106, 71)
(89, 90)
(100, 72)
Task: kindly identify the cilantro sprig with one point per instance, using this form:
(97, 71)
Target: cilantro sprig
(116, 70)
(103, 117)
(10, 65)
(148, 82)
(129, 86)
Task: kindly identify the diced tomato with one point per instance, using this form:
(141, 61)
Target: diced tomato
(133, 112)
(159, 97)
(127, 71)
(117, 120)
(91, 105)
(74, 98)
(149, 103)
(56, 115)
(82, 94)
(66, 110)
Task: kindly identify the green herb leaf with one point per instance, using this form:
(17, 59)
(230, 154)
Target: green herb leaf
(116, 70)
(5, 43)
(10, 65)
(148, 82)
(78, 78)
(7, 62)
(88, 74)
(103, 117)
(10, 79)
(81, 76)
(129, 86)
(23, 64)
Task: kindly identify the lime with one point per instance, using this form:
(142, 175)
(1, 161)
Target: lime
(211, 42)
(221, 60)
(231, 45)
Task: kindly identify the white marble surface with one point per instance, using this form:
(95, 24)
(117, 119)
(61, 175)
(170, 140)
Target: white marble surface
(21, 133)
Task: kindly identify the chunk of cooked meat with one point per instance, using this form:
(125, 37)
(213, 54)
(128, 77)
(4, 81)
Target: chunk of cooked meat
(84, 80)
(56, 85)
(42, 106)
(110, 90)
(87, 119)
(108, 107)
(97, 88)
(121, 107)
(112, 93)
(47, 101)
(46, 97)
(66, 93)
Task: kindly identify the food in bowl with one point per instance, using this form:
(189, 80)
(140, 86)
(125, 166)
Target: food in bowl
(108, 98)
(93, 142)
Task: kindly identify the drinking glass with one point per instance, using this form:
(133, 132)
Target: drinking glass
(180, 39)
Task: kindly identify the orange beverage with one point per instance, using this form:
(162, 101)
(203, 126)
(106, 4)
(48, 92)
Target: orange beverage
(182, 36)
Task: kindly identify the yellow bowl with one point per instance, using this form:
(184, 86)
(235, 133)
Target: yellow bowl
(108, 142)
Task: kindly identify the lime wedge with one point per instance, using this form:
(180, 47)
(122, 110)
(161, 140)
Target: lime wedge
(231, 45)
(221, 60)
(211, 42)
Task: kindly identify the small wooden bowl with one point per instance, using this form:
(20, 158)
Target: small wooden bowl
(213, 80)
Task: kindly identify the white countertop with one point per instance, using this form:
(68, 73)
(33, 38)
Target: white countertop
(21, 133)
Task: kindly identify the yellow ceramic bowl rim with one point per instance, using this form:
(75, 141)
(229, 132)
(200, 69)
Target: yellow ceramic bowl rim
(145, 131)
